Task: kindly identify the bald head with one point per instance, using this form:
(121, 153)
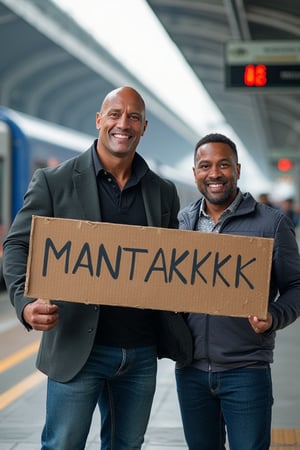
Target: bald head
(120, 123)
(126, 92)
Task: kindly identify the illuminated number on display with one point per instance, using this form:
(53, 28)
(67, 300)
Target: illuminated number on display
(255, 75)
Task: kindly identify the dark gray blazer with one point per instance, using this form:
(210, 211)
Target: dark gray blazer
(70, 191)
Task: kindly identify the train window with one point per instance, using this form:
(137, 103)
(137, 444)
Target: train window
(39, 163)
(2, 226)
(48, 154)
(5, 192)
(5, 176)
(1, 191)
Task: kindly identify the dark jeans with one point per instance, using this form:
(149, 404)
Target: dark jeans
(239, 401)
(122, 382)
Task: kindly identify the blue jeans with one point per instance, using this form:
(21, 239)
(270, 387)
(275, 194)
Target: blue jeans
(122, 382)
(238, 400)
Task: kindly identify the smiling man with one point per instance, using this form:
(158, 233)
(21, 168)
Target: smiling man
(93, 355)
(228, 385)
(121, 123)
(216, 173)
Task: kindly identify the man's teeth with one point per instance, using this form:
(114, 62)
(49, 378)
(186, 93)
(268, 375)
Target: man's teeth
(121, 136)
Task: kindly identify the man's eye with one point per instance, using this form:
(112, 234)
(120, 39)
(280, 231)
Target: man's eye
(114, 115)
(134, 117)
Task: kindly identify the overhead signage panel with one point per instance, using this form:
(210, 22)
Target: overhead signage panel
(262, 65)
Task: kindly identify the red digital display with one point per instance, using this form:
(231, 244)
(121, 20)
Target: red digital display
(255, 75)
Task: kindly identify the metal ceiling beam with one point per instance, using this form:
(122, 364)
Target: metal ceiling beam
(62, 30)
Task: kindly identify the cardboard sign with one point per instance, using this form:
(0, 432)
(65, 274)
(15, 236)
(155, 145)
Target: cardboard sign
(148, 267)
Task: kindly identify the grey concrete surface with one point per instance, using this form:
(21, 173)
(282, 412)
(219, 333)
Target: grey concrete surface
(21, 422)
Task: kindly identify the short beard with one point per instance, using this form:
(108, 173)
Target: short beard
(220, 200)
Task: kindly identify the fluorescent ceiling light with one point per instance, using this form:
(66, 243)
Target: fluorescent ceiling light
(131, 32)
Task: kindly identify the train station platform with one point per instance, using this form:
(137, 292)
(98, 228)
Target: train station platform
(22, 394)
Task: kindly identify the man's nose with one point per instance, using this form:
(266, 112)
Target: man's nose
(215, 171)
(123, 121)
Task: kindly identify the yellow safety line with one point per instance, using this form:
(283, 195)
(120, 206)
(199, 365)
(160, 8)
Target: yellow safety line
(280, 437)
(19, 356)
(19, 389)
